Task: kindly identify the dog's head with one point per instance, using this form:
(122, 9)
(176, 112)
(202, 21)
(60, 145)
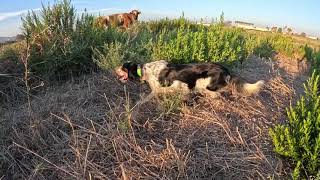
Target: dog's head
(135, 13)
(128, 71)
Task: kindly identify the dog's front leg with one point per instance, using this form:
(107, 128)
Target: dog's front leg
(147, 98)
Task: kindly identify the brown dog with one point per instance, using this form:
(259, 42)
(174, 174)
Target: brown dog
(123, 20)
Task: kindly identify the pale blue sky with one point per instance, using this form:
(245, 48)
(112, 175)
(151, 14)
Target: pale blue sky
(301, 15)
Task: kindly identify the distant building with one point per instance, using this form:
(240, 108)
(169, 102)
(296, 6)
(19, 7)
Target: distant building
(205, 24)
(228, 23)
(246, 25)
(313, 37)
(261, 29)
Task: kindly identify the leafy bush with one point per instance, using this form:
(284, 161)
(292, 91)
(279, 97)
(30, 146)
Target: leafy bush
(317, 60)
(171, 25)
(313, 56)
(265, 49)
(61, 43)
(265, 44)
(299, 140)
(214, 44)
(12, 52)
(134, 47)
(283, 44)
(111, 56)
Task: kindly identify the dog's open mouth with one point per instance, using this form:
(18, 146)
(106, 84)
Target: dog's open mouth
(122, 75)
(123, 78)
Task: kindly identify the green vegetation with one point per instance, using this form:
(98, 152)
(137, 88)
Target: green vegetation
(12, 52)
(299, 140)
(62, 44)
(59, 44)
(205, 44)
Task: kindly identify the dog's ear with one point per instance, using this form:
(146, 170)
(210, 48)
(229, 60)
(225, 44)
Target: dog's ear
(127, 65)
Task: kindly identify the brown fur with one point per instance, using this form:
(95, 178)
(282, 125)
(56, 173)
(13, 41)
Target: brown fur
(123, 20)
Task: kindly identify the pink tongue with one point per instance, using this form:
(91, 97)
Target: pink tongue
(124, 78)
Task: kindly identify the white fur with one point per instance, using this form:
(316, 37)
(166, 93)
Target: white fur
(253, 88)
(151, 75)
(202, 83)
(201, 87)
(151, 72)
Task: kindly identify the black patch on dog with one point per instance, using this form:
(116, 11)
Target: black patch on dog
(190, 73)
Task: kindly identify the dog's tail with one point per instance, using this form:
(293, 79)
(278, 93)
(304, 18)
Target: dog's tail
(243, 87)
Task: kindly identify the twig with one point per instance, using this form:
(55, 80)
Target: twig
(86, 157)
(46, 160)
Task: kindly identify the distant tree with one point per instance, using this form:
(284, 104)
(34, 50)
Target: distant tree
(274, 29)
(19, 37)
(201, 20)
(303, 34)
(279, 30)
(268, 28)
(221, 21)
(289, 30)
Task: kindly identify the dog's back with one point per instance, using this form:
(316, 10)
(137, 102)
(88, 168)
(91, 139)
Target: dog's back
(190, 73)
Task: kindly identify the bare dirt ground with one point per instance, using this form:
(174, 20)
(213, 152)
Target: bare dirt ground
(91, 128)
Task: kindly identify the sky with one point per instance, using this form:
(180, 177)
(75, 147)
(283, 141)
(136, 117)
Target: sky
(300, 15)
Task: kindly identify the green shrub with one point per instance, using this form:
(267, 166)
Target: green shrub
(299, 140)
(215, 44)
(61, 42)
(308, 53)
(171, 25)
(265, 49)
(111, 56)
(283, 44)
(135, 47)
(12, 51)
(316, 62)
(226, 45)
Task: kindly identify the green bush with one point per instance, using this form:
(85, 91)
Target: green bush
(316, 62)
(61, 42)
(265, 49)
(214, 44)
(299, 140)
(171, 25)
(283, 44)
(111, 55)
(135, 47)
(12, 51)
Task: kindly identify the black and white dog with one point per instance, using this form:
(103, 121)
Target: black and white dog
(205, 78)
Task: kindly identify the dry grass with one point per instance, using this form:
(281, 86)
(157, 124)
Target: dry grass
(90, 128)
